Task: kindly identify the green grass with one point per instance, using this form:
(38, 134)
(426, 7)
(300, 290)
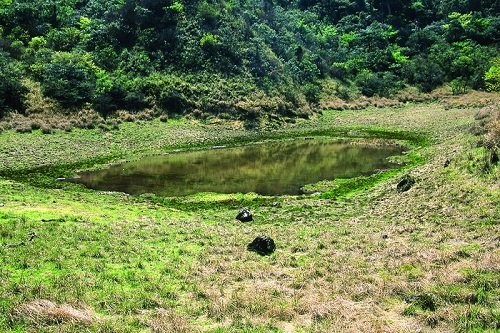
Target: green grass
(345, 260)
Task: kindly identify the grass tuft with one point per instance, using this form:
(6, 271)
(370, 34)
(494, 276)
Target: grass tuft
(46, 312)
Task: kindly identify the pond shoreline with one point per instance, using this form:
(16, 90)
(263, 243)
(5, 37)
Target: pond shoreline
(45, 175)
(273, 167)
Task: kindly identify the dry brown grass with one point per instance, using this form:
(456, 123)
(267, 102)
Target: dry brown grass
(492, 137)
(46, 312)
(474, 99)
(167, 321)
(36, 102)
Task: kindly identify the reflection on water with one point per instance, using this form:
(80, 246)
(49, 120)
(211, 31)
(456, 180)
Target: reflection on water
(273, 168)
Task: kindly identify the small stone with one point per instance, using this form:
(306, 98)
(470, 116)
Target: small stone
(412, 298)
(244, 215)
(263, 245)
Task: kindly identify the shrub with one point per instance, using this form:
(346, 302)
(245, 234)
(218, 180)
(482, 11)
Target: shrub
(424, 73)
(36, 124)
(88, 119)
(23, 128)
(135, 101)
(459, 86)
(312, 92)
(175, 102)
(381, 84)
(69, 80)
(46, 129)
(346, 92)
(35, 101)
(12, 90)
(492, 76)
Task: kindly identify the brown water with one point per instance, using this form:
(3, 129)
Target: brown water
(272, 168)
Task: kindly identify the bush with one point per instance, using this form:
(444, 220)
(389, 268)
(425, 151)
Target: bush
(312, 92)
(70, 79)
(492, 138)
(381, 84)
(87, 119)
(135, 101)
(492, 76)
(459, 86)
(175, 102)
(423, 73)
(12, 90)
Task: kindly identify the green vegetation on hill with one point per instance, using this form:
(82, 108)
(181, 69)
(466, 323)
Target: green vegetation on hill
(238, 59)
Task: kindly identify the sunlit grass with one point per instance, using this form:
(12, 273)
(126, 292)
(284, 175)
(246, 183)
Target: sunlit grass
(369, 260)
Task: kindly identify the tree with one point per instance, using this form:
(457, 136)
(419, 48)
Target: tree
(69, 78)
(12, 91)
(424, 73)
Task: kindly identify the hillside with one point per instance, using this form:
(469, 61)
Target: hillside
(235, 59)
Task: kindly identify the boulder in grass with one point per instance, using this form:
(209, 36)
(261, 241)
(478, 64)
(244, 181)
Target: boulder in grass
(263, 245)
(244, 215)
(405, 183)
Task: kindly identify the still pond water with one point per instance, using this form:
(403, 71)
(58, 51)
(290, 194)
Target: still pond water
(271, 168)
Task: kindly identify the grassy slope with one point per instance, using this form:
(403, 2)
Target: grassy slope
(114, 263)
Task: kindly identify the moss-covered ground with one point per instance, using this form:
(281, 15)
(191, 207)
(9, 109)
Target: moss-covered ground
(360, 257)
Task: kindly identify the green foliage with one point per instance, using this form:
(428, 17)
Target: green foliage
(270, 45)
(312, 93)
(208, 14)
(381, 84)
(69, 78)
(459, 86)
(209, 41)
(492, 76)
(12, 91)
(423, 73)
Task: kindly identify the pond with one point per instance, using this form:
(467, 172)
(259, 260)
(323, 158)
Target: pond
(271, 168)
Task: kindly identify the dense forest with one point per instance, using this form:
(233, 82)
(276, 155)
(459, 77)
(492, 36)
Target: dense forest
(238, 59)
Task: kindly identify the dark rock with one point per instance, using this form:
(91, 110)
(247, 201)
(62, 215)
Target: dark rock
(31, 235)
(244, 215)
(263, 245)
(424, 301)
(493, 157)
(405, 183)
